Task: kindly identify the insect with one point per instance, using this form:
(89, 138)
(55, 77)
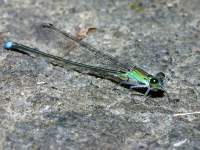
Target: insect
(112, 69)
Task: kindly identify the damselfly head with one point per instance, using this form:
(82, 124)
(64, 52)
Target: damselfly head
(156, 83)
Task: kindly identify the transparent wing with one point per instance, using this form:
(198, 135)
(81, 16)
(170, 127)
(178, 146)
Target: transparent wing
(72, 48)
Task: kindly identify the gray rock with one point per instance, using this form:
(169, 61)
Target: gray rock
(49, 107)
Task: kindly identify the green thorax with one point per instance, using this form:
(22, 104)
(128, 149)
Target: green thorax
(137, 75)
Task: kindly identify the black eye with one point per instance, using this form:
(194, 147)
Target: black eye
(154, 81)
(160, 75)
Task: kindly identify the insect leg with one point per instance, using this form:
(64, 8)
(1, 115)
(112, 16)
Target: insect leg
(137, 86)
(147, 91)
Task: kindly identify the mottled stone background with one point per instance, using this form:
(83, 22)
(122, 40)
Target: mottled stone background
(48, 107)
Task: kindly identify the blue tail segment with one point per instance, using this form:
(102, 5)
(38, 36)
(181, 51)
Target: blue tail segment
(8, 44)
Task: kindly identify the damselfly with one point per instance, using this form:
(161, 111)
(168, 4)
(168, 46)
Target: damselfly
(130, 76)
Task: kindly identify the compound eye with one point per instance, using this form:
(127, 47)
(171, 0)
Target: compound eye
(154, 81)
(160, 75)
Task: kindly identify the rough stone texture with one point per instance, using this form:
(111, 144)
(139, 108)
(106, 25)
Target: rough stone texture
(48, 107)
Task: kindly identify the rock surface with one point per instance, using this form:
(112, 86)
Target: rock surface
(48, 107)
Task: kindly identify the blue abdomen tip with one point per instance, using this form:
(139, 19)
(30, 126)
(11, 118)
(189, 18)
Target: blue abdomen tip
(8, 44)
